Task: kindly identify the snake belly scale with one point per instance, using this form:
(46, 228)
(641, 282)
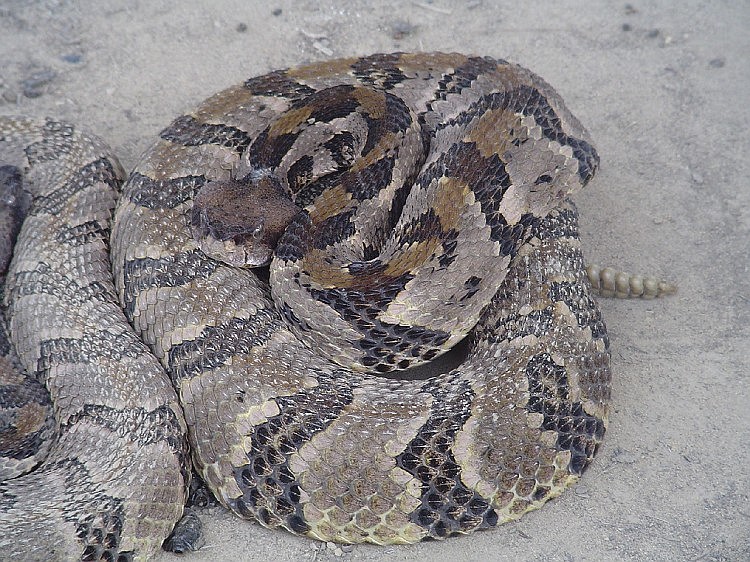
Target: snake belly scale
(431, 206)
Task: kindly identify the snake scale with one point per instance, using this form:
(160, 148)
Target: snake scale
(412, 201)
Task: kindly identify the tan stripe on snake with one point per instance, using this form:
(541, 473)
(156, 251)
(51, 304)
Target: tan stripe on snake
(435, 193)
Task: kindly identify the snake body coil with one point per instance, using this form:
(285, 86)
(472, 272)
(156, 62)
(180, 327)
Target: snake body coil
(426, 203)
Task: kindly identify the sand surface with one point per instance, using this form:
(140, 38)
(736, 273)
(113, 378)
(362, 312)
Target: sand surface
(663, 88)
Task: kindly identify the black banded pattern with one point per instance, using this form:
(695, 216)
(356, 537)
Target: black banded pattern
(114, 482)
(431, 195)
(461, 166)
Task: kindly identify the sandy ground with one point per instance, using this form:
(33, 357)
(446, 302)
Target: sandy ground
(663, 90)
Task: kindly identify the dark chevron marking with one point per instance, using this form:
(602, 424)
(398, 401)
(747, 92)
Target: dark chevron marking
(170, 271)
(547, 119)
(45, 281)
(379, 71)
(187, 131)
(295, 241)
(565, 225)
(528, 100)
(86, 349)
(97, 171)
(161, 194)
(48, 149)
(582, 305)
(334, 229)
(447, 505)
(141, 426)
(99, 530)
(368, 182)
(549, 395)
(425, 227)
(83, 234)
(381, 339)
(216, 345)
(488, 180)
(278, 84)
(360, 307)
(464, 75)
(271, 493)
(265, 152)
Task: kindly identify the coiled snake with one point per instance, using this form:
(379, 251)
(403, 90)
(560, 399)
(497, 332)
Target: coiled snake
(409, 201)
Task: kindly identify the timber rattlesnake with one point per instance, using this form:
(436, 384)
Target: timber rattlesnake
(464, 163)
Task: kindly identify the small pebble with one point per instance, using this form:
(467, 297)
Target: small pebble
(241, 27)
(187, 535)
(34, 85)
(718, 62)
(276, 12)
(72, 58)
(626, 27)
(334, 548)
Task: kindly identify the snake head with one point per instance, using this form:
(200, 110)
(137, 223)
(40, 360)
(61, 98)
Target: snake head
(239, 222)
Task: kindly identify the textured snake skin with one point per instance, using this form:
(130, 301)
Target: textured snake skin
(432, 208)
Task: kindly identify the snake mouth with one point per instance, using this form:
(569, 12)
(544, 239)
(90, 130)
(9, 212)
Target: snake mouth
(232, 251)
